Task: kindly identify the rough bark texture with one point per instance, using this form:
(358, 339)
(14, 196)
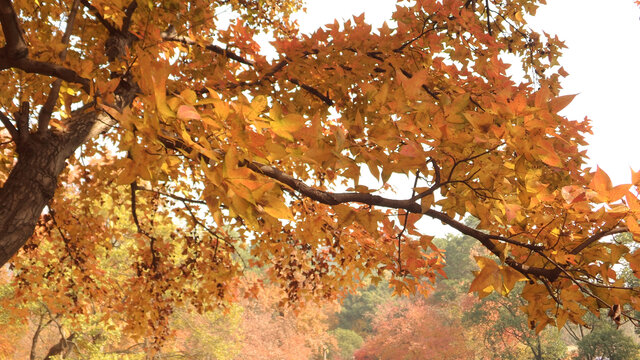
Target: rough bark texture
(32, 182)
(30, 186)
(42, 154)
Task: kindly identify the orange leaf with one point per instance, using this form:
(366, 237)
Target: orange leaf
(188, 112)
(560, 102)
(601, 182)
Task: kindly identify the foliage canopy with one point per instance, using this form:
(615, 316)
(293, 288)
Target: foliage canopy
(149, 129)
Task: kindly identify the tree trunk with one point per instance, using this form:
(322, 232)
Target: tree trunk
(32, 182)
(29, 188)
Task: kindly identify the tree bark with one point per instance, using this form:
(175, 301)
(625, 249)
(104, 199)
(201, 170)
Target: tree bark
(29, 188)
(32, 182)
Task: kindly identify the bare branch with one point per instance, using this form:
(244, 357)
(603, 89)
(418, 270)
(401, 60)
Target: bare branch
(15, 47)
(47, 109)
(313, 91)
(9, 126)
(595, 237)
(171, 35)
(22, 119)
(44, 68)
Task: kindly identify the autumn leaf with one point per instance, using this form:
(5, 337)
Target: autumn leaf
(187, 112)
(560, 102)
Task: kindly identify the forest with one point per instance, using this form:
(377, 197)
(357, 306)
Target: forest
(171, 189)
(450, 323)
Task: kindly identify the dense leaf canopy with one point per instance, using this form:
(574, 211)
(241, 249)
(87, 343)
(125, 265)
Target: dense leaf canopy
(151, 140)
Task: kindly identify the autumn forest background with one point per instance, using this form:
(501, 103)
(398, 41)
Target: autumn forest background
(451, 323)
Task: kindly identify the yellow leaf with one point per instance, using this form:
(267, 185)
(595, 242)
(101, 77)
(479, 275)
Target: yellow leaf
(488, 278)
(426, 202)
(278, 209)
(510, 277)
(189, 96)
(284, 126)
(158, 77)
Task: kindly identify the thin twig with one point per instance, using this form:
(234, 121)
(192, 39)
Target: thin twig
(172, 196)
(406, 219)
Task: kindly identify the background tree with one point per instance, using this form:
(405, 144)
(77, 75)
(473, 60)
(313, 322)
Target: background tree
(607, 342)
(506, 332)
(414, 330)
(348, 342)
(122, 119)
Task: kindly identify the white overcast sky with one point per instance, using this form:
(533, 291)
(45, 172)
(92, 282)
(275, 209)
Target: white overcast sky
(603, 61)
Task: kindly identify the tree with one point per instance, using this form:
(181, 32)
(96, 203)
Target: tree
(414, 330)
(606, 342)
(348, 342)
(358, 309)
(506, 333)
(118, 116)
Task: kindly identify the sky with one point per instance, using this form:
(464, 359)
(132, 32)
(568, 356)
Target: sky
(602, 60)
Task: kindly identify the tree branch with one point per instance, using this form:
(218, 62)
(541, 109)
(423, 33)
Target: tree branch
(15, 47)
(9, 126)
(94, 11)
(313, 91)
(171, 35)
(22, 120)
(44, 68)
(329, 198)
(134, 214)
(487, 10)
(172, 196)
(47, 109)
(595, 237)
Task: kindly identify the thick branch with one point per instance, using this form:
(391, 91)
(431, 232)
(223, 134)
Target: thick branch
(22, 120)
(15, 51)
(15, 47)
(408, 205)
(44, 68)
